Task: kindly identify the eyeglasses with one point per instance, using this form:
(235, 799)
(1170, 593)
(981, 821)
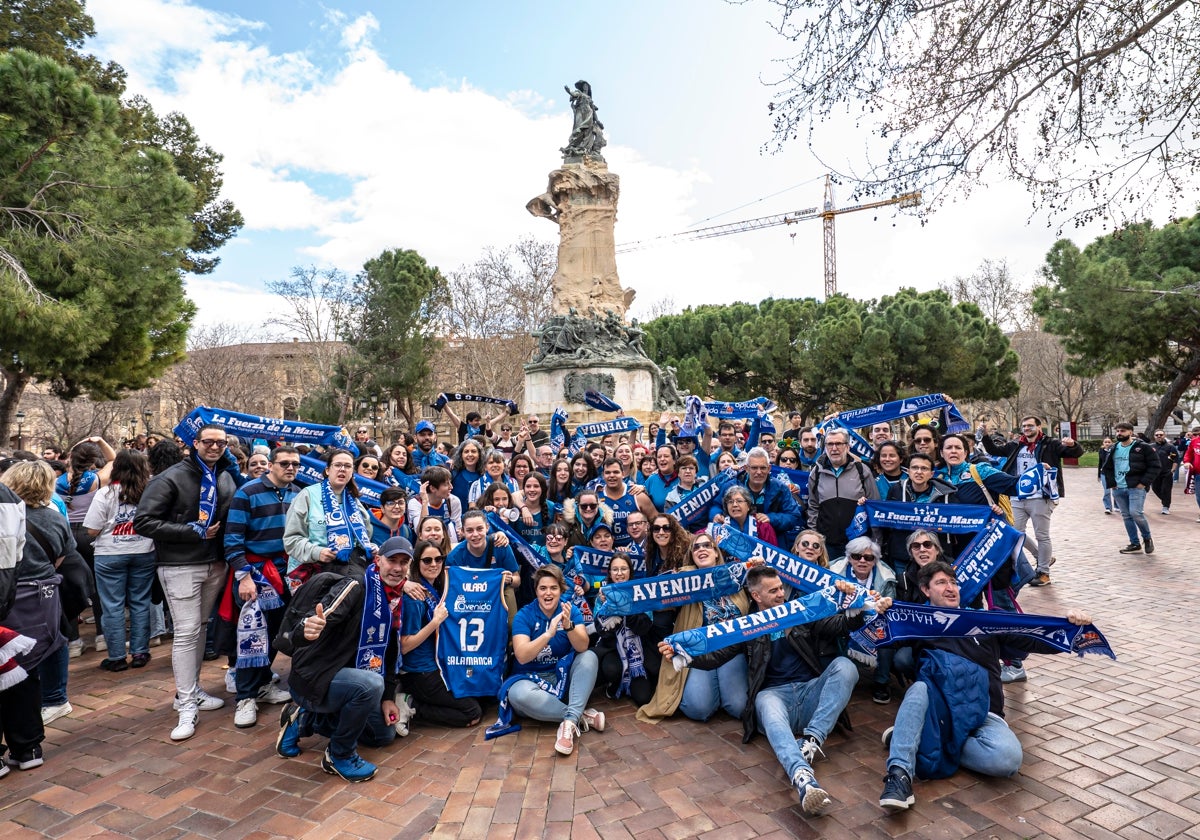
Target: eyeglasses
(661, 529)
(394, 503)
(588, 505)
(854, 556)
(288, 465)
(834, 444)
(699, 545)
(808, 544)
(555, 537)
(923, 544)
(433, 561)
(212, 442)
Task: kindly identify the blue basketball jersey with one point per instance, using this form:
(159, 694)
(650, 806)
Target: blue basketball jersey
(472, 642)
(621, 508)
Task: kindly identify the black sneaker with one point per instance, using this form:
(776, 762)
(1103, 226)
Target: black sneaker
(882, 695)
(1148, 545)
(114, 665)
(27, 760)
(897, 791)
(1132, 548)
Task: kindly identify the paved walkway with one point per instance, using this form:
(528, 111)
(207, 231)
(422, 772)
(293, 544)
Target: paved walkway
(1112, 748)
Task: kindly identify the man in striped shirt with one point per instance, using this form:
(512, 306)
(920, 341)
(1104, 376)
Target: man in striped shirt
(254, 550)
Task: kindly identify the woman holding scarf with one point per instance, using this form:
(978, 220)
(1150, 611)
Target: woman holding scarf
(493, 473)
(327, 525)
(554, 672)
(422, 615)
(466, 467)
(627, 646)
(583, 472)
(669, 547)
(738, 504)
(396, 461)
(698, 694)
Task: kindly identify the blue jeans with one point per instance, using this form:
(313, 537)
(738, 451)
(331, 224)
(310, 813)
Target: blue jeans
(722, 688)
(532, 702)
(992, 749)
(804, 708)
(121, 579)
(354, 698)
(1107, 497)
(53, 673)
(1131, 502)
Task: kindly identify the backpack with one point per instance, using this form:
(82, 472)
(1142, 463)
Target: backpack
(304, 604)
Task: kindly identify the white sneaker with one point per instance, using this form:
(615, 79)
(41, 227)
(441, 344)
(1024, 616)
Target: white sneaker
(246, 714)
(75, 646)
(53, 713)
(231, 681)
(273, 694)
(1166, 512)
(186, 727)
(205, 702)
(405, 713)
(101, 645)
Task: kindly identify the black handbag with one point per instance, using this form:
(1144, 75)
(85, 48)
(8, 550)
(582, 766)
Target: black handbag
(37, 613)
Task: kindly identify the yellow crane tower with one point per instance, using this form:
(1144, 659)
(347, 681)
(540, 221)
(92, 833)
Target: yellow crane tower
(826, 214)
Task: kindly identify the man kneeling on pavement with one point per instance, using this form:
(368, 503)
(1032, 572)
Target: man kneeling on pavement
(789, 693)
(346, 662)
(964, 676)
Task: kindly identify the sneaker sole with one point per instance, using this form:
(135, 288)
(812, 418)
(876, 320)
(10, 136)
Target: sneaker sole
(815, 802)
(180, 738)
(249, 725)
(24, 765)
(59, 713)
(284, 719)
(558, 749)
(897, 805)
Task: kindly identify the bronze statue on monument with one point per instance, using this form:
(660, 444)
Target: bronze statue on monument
(587, 332)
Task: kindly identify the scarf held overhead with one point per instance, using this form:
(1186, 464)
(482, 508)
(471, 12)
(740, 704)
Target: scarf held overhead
(269, 428)
(446, 397)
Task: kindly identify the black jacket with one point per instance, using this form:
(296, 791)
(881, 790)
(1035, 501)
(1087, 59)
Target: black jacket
(805, 639)
(1143, 466)
(169, 503)
(1047, 450)
(315, 663)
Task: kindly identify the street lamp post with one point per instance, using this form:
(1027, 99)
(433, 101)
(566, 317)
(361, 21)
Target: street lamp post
(147, 416)
(20, 429)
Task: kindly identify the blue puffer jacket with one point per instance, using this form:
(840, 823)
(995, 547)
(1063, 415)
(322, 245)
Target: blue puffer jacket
(958, 705)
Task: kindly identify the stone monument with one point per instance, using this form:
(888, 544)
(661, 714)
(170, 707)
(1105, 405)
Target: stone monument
(586, 343)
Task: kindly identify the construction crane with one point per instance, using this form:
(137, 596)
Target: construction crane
(826, 214)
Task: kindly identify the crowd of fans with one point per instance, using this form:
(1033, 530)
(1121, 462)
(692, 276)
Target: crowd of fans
(174, 539)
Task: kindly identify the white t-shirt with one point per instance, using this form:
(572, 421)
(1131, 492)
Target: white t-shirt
(114, 520)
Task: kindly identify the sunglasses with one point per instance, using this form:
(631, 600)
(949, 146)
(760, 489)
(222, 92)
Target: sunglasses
(922, 440)
(789, 460)
(217, 443)
(590, 506)
(923, 544)
(661, 529)
(371, 467)
(854, 556)
(434, 560)
(700, 545)
(289, 465)
(807, 544)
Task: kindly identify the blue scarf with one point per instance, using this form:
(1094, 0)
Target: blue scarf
(343, 529)
(633, 658)
(1037, 482)
(695, 417)
(556, 686)
(860, 418)
(672, 590)
(799, 478)
(993, 546)
(432, 598)
(558, 429)
(762, 425)
(312, 471)
(599, 401)
(804, 576)
(693, 508)
(252, 637)
(269, 428)
(443, 398)
(858, 524)
(745, 410)
(208, 498)
(940, 517)
(779, 619)
(516, 542)
(909, 622)
(375, 627)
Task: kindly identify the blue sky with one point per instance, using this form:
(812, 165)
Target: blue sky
(349, 127)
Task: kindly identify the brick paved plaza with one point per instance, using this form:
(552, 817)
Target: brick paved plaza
(1112, 749)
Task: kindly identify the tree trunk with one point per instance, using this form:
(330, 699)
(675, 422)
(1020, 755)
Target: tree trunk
(14, 386)
(1179, 386)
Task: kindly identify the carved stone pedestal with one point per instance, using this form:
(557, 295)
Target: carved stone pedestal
(631, 385)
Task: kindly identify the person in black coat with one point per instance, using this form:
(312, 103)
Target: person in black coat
(1130, 472)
